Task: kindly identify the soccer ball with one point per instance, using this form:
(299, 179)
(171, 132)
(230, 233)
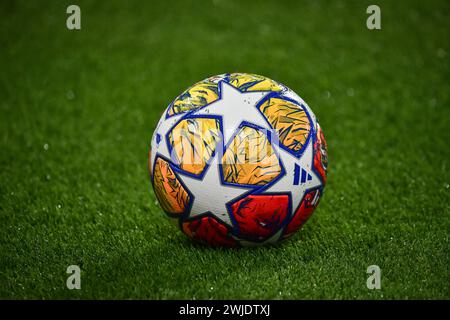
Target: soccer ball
(237, 160)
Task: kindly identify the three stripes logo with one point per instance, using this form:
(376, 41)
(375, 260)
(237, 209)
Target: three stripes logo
(300, 175)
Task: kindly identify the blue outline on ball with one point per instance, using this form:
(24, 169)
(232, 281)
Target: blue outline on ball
(186, 215)
(269, 139)
(253, 189)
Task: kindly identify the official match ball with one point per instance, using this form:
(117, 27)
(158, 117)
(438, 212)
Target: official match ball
(238, 159)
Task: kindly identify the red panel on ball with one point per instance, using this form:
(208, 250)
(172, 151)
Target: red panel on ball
(306, 209)
(260, 216)
(208, 230)
(320, 155)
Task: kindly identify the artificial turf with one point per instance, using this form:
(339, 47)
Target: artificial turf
(78, 109)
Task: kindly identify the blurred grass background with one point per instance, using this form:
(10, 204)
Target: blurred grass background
(78, 109)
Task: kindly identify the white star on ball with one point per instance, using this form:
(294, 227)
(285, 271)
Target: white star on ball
(161, 147)
(235, 107)
(210, 195)
(299, 175)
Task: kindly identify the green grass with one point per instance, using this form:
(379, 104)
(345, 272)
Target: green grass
(94, 97)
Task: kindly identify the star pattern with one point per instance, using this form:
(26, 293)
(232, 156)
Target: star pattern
(287, 181)
(159, 141)
(209, 194)
(235, 107)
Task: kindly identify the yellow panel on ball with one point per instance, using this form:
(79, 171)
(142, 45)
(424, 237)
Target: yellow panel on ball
(290, 121)
(197, 96)
(194, 141)
(250, 159)
(252, 82)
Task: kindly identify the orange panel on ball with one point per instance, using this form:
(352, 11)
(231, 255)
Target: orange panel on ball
(169, 191)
